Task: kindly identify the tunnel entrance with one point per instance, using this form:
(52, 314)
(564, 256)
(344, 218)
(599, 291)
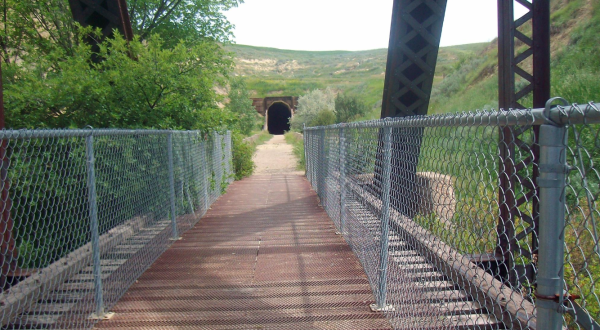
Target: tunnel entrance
(278, 115)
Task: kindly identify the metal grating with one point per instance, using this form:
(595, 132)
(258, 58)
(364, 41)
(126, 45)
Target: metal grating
(265, 256)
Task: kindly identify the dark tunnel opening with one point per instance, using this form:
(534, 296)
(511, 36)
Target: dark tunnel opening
(279, 115)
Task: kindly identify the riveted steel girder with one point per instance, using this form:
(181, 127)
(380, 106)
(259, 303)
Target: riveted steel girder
(523, 71)
(107, 15)
(412, 54)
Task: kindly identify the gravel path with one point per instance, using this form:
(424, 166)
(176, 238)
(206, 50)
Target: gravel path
(275, 156)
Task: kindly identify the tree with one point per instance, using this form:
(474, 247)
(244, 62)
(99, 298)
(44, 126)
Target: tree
(39, 27)
(190, 20)
(161, 88)
(311, 104)
(31, 27)
(240, 105)
(349, 108)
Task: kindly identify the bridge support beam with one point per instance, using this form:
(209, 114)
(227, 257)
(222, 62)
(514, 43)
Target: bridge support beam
(415, 35)
(514, 85)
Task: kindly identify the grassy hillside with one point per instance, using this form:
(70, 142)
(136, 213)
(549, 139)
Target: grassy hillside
(276, 72)
(466, 76)
(575, 33)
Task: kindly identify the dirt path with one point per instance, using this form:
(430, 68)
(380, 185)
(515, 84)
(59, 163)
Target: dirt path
(275, 156)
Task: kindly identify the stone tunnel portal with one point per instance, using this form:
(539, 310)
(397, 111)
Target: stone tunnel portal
(278, 118)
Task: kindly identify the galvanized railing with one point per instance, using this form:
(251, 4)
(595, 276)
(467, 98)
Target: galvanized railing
(85, 212)
(418, 200)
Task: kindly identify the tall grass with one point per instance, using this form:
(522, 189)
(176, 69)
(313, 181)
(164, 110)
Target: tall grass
(297, 141)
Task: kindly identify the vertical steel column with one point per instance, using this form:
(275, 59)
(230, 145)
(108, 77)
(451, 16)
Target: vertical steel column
(552, 183)
(519, 155)
(172, 187)
(385, 217)
(342, 180)
(94, 230)
(506, 195)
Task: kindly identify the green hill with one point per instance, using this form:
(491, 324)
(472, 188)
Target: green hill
(466, 75)
(575, 45)
(277, 72)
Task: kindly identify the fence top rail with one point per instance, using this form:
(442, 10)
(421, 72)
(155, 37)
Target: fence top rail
(68, 133)
(556, 115)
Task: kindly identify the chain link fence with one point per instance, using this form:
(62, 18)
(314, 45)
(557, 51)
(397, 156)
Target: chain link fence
(85, 212)
(420, 202)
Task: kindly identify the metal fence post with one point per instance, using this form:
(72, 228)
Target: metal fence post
(321, 167)
(385, 220)
(205, 182)
(342, 181)
(552, 182)
(172, 187)
(216, 161)
(94, 230)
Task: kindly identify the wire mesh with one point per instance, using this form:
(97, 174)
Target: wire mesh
(86, 212)
(418, 201)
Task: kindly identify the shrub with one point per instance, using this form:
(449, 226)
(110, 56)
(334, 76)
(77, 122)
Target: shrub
(242, 156)
(323, 118)
(349, 108)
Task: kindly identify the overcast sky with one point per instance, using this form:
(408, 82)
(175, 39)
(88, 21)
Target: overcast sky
(349, 24)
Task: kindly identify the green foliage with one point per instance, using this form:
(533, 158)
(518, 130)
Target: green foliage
(138, 85)
(190, 20)
(240, 105)
(297, 141)
(244, 150)
(576, 70)
(30, 27)
(316, 103)
(323, 118)
(242, 156)
(349, 108)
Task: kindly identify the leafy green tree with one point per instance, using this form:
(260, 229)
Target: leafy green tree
(311, 104)
(240, 105)
(30, 27)
(349, 108)
(190, 20)
(138, 85)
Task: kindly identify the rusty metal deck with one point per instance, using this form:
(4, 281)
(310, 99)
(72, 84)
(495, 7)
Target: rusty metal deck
(265, 256)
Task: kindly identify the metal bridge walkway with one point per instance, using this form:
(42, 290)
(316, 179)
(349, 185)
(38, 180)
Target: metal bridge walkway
(265, 256)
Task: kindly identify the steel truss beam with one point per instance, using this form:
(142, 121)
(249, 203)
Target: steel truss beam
(412, 54)
(523, 69)
(415, 35)
(107, 15)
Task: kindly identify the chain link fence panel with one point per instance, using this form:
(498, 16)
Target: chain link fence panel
(85, 212)
(419, 199)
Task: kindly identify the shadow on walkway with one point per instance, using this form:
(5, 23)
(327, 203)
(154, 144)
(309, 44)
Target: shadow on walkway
(265, 256)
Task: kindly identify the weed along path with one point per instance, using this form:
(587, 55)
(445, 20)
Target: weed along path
(275, 156)
(265, 256)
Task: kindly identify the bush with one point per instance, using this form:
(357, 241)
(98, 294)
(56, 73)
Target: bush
(240, 105)
(349, 108)
(323, 118)
(242, 156)
(137, 85)
(311, 105)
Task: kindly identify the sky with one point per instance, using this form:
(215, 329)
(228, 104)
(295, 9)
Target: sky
(349, 24)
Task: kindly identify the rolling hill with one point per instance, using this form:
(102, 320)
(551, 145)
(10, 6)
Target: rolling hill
(466, 75)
